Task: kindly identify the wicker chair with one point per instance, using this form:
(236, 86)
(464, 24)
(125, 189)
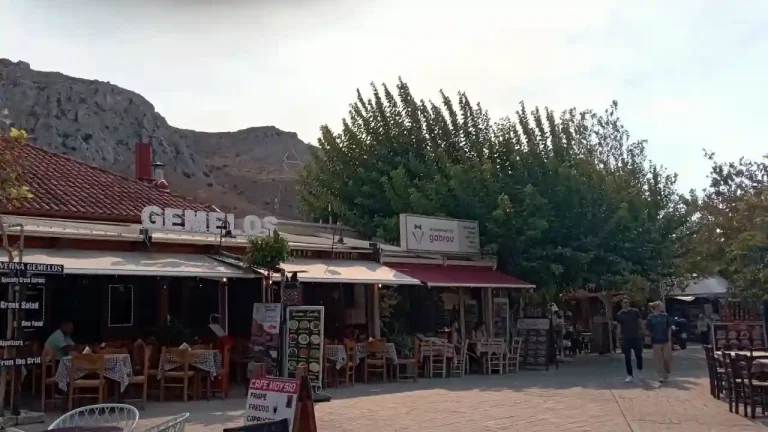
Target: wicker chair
(173, 424)
(124, 416)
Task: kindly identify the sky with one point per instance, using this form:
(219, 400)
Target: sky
(688, 75)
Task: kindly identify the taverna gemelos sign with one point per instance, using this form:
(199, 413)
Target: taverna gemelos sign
(170, 219)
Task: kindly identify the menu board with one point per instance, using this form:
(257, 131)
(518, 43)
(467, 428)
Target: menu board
(304, 345)
(501, 318)
(271, 399)
(733, 336)
(537, 342)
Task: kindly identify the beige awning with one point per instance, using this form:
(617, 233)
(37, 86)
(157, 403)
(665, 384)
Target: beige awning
(88, 262)
(345, 271)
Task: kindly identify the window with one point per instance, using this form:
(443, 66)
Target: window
(120, 306)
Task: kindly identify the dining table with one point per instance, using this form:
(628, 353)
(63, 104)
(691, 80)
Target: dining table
(208, 360)
(760, 364)
(118, 368)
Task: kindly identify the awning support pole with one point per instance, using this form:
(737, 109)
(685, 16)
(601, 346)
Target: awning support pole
(376, 313)
(461, 313)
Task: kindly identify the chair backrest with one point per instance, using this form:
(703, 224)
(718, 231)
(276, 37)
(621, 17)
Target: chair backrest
(88, 363)
(124, 416)
(376, 348)
(48, 360)
(515, 345)
(173, 424)
(113, 351)
(201, 347)
(182, 355)
(351, 348)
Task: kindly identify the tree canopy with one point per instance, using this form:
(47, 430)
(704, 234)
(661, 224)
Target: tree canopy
(12, 188)
(565, 201)
(728, 235)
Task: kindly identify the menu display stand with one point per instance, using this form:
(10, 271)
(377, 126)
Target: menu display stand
(736, 336)
(304, 342)
(15, 277)
(302, 412)
(537, 348)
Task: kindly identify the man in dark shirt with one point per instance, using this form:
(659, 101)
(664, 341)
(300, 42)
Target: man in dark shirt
(660, 327)
(631, 336)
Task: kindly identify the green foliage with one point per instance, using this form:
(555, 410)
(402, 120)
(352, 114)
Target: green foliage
(12, 189)
(564, 201)
(267, 252)
(729, 234)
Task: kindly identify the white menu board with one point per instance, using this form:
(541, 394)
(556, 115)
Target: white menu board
(271, 399)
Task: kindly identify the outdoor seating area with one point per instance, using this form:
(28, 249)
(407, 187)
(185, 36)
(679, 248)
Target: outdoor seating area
(348, 362)
(112, 418)
(131, 372)
(739, 378)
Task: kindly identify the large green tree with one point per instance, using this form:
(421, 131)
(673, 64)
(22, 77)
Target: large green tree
(728, 235)
(565, 201)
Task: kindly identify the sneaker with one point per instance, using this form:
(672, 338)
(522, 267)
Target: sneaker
(629, 379)
(662, 380)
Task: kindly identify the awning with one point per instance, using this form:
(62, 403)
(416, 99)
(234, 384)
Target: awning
(345, 271)
(459, 275)
(88, 262)
(710, 287)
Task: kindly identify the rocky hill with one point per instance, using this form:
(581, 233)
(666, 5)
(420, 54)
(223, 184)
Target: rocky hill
(251, 171)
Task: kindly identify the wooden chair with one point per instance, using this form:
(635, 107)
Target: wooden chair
(435, 358)
(330, 373)
(223, 375)
(716, 373)
(411, 365)
(733, 387)
(142, 378)
(376, 360)
(513, 355)
(347, 372)
(754, 392)
(90, 364)
(494, 360)
(48, 381)
(240, 358)
(185, 357)
(460, 363)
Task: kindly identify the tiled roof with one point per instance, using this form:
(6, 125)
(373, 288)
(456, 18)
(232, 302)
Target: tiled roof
(70, 189)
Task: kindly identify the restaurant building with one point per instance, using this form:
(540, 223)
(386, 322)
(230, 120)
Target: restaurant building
(445, 254)
(135, 254)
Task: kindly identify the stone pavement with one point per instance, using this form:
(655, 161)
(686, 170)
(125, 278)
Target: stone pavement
(589, 395)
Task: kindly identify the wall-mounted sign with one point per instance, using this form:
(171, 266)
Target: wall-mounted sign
(31, 267)
(205, 222)
(431, 234)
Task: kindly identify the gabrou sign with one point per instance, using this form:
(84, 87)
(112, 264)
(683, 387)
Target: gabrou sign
(204, 222)
(431, 234)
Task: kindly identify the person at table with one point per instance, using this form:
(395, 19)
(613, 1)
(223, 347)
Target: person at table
(703, 326)
(60, 341)
(630, 333)
(454, 335)
(479, 332)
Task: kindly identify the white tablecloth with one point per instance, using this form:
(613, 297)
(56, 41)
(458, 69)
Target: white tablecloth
(118, 368)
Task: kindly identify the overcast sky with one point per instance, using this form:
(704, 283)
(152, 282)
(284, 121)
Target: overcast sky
(687, 74)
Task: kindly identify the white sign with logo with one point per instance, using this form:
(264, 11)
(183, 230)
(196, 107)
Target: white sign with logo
(205, 222)
(267, 315)
(271, 399)
(431, 234)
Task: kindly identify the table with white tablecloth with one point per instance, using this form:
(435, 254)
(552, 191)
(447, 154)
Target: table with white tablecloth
(205, 360)
(362, 352)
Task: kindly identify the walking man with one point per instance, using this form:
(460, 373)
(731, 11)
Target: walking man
(660, 327)
(631, 336)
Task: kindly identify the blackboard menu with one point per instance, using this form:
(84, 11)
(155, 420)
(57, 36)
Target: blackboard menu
(304, 345)
(735, 336)
(535, 349)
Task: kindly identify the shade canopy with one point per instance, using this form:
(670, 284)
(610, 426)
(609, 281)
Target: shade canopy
(88, 262)
(345, 271)
(459, 275)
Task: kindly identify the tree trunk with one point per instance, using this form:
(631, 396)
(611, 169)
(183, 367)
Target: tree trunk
(9, 250)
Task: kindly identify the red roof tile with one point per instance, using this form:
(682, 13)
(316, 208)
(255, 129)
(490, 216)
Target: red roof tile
(67, 188)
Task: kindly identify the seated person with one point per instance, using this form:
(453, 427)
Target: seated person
(147, 341)
(454, 335)
(479, 332)
(60, 341)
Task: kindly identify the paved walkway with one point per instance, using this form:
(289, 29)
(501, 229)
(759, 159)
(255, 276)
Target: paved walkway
(589, 395)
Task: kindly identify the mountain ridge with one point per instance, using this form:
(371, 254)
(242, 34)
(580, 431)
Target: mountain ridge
(247, 171)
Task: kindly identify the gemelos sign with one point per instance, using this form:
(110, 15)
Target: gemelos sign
(431, 234)
(204, 222)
